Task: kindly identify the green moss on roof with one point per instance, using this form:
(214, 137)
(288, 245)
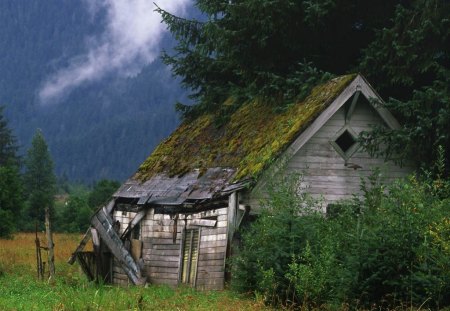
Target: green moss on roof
(249, 142)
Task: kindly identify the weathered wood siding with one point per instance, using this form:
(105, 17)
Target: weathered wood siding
(324, 171)
(119, 276)
(161, 255)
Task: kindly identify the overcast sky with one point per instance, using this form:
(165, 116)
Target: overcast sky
(131, 40)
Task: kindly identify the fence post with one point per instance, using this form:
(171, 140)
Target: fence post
(51, 256)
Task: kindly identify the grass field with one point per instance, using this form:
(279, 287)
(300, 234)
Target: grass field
(20, 289)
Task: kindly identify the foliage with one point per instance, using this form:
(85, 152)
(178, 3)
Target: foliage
(409, 62)
(11, 199)
(101, 192)
(39, 181)
(276, 240)
(276, 50)
(389, 249)
(75, 215)
(11, 192)
(74, 209)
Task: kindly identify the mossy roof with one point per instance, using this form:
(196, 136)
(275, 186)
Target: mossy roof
(253, 137)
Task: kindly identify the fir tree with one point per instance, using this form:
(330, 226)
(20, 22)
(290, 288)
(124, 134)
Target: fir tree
(11, 194)
(40, 180)
(276, 49)
(409, 64)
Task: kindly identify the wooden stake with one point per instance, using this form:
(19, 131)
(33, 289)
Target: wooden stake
(51, 256)
(40, 272)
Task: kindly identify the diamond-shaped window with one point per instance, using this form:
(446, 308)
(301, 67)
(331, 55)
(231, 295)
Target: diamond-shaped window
(345, 142)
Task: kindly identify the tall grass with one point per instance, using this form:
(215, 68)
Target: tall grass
(20, 289)
(18, 255)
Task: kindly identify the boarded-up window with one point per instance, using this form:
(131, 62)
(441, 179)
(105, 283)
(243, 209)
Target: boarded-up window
(190, 256)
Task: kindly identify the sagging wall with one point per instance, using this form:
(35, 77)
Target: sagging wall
(163, 250)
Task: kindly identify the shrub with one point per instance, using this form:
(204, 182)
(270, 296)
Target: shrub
(391, 247)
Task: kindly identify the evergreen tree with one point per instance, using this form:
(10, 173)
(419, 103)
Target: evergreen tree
(275, 49)
(409, 62)
(40, 180)
(11, 194)
(279, 49)
(8, 143)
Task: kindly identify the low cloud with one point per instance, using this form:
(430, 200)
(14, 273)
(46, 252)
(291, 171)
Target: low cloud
(130, 41)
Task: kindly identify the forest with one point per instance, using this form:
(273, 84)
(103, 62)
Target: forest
(102, 129)
(388, 249)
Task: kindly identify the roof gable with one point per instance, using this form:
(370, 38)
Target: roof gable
(359, 84)
(247, 144)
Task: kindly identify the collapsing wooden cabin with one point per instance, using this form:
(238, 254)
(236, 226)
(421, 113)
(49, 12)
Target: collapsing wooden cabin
(174, 221)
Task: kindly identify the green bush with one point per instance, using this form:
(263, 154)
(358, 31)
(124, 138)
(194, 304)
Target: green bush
(390, 248)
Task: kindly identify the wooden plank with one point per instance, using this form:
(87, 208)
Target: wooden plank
(209, 250)
(209, 274)
(202, 223)
(163, 235)
(215, 237)
(222, 224)
(166, 246)
(163, 258)
(164, 222)
(159, 263)
(213, 212)
(217, 262)
(158, 228)
(109, 207)
(211, 256)
(162, 269)
(162, 275)
(206, 244)
(214, 231)
(136, 219)
(212, 269)
(80, 247)
(163, 241)
(162, 252)
(103, 223)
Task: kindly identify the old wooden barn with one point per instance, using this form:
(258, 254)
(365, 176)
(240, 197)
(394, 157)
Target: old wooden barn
(173, 222)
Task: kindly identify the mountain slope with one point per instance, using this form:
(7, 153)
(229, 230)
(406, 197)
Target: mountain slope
(104, 129)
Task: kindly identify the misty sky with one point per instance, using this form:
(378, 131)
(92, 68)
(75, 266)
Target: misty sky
(131, 40)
